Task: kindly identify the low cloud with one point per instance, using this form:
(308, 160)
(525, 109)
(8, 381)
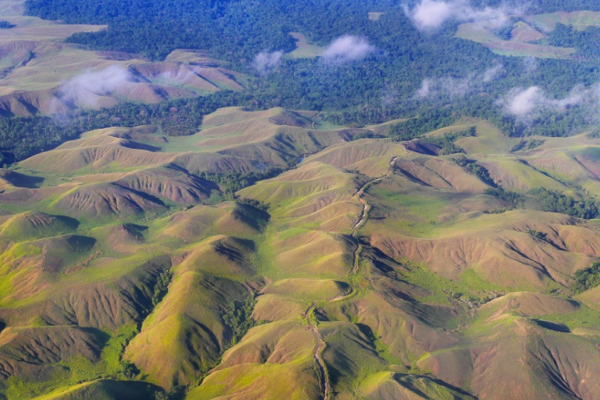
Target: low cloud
(87, 88)
(445, 86)
(265, 62)
(453, 87)
(427, 87)
(430, 15)
(182, 75)
(530, 64)
(346, 49)
(388, 97)
(527, 103)
(492, 74)
(522, 102)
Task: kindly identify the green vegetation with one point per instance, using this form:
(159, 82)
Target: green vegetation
(417, 127)
(537, 234)
(233, 182)
(367, 135)
(513, 199)
(478, 170)
(268, 254)
(352, 94)
(585, 318)
(533, 143)
(238, 318)
(527, 145)
(446, 142)
(161, 288)
(583, 41)
(552, 201)
(419, 294)
(587, 278)
(548, 200)
(349, 95)
(22, 137)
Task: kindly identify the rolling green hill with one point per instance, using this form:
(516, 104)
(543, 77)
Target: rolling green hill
(299, 200)
(368, 268)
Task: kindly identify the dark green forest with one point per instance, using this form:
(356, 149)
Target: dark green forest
(373, 90)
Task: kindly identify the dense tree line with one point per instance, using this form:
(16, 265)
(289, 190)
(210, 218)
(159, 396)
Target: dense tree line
(232, 182)
(376, 89)
(22, 137)
(587, 278)
(447, 142)
(512, 199)
(552, 201)
(549, 201)
(478, 170)
(236, 30)
(527, 145)
(585, 41)
(428, 121)
(238, 317)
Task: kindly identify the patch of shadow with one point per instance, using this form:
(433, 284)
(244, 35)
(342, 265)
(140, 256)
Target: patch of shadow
(71, 222)
(21, 180)
(368, 333)
(422, 147)
(552, 326)
(101, 336)
(80, 243)
(141, 146)
(398, 377)
(136, 230)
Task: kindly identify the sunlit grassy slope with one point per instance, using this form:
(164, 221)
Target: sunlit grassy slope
(367, 269)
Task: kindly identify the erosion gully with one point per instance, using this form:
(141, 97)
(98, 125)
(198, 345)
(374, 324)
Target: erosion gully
(364, 217)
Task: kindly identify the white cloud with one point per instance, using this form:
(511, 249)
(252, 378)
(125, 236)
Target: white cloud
(491, 74)
(425, 89)
(347, 48)
(87, 88)
(526, 103)
(265, 61)
(389, 97)
(457, 86)
(523, 101)
(182, 75)
(429, 15)
(445, 86)
(530, 64)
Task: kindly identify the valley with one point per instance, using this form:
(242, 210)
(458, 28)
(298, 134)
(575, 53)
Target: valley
(377, 265)
(299, 200)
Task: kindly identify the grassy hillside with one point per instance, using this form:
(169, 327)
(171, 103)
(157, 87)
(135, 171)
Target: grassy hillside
(263, 257)
(299, 199)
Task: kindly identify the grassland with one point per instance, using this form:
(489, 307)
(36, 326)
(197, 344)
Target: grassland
(376, 271)
(303, 48)
(41, 73)
(580, 20)
(527, 34)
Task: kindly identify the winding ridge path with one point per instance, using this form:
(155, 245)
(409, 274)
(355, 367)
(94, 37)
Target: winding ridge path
(324, 377)
(364, 216)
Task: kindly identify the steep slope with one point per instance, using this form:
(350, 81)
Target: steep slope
(344, 269)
